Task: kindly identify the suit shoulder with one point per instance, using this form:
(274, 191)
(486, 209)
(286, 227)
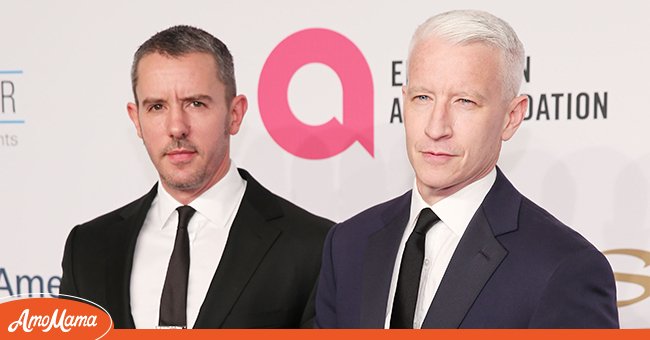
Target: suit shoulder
(534, 216)
(380, 210)
(518, 222)
(101, 222)
(105, 219)
(544, 239)
(299, 214)
(375, 217)
(290, 216)
(572, 274)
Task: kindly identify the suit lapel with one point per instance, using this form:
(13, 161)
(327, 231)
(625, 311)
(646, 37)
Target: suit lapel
(250, 238)
(379, 261)
(120, 259)
(477, 256)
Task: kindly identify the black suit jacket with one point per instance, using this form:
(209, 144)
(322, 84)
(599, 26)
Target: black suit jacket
(516, 266)
(265, 278)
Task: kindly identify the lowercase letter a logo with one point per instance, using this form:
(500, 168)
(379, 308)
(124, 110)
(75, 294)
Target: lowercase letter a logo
(341, 55)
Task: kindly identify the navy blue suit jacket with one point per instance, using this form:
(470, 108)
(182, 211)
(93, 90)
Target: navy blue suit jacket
(516, 266)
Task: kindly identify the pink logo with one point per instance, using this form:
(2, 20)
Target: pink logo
(327, 47)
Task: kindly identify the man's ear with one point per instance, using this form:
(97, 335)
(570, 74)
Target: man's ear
(132, 109)
(516, 113)
(238, 107)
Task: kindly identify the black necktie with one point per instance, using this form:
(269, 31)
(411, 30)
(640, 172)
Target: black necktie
(408, 282)
(173, 302)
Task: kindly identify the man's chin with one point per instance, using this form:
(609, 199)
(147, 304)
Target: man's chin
(182, 184)
(436, 182)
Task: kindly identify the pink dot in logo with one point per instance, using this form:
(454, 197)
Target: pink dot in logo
(330, 48)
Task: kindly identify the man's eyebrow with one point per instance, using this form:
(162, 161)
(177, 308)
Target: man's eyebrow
(198, 97)
(148, 101)
(462, 93)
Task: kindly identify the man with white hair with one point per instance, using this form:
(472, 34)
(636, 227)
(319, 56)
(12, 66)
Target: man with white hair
(463, 249)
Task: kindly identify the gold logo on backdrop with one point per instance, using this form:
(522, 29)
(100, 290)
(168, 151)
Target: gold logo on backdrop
(641, 280)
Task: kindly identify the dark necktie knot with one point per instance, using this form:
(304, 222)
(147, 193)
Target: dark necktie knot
(185, 213)
(426, 220)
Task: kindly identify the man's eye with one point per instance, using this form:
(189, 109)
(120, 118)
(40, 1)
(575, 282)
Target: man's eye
(465, 101)
(422, 97)
(197, 103)
(156, 107)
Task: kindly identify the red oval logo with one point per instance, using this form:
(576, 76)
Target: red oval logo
(72, 318)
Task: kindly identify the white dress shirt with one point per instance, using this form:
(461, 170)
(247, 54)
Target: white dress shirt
(208, 231)
(455, 213)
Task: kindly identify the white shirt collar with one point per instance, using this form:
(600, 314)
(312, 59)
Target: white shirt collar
(457, 210)
(215, 204)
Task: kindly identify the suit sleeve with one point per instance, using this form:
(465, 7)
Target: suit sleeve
(68, 286)
(309, 312)
(326, 290)
(581, 293)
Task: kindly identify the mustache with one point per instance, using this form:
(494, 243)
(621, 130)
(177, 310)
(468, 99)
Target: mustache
(180, 144)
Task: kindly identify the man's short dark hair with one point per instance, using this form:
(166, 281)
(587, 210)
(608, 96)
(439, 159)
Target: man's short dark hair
(180, 40)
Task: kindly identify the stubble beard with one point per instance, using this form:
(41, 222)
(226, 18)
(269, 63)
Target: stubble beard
(194, 181)
(189, 182)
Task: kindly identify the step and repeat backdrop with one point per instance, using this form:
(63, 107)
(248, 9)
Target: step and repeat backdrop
(68, 151)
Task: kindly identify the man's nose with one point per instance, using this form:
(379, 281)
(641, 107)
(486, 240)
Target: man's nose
(440, 122)
(177, 123)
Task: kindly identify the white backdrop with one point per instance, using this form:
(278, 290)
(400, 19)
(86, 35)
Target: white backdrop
(69, 153)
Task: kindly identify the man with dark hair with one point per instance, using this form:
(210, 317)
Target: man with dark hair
(208, 246)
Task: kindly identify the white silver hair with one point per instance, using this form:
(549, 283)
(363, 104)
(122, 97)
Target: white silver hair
(474, 26)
